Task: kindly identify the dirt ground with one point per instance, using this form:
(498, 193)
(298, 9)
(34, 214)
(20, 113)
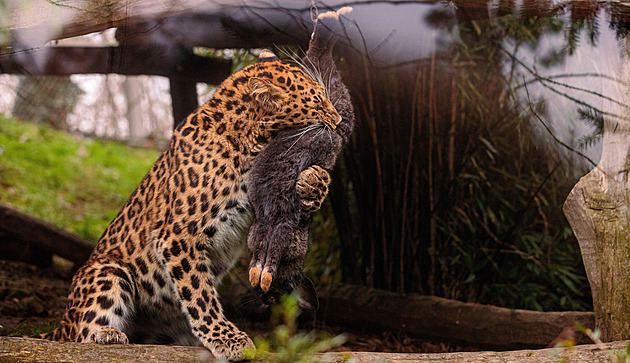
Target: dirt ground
(32, 300)
(31, 297)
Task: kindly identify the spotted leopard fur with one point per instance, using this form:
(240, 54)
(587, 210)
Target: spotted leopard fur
(153, 275)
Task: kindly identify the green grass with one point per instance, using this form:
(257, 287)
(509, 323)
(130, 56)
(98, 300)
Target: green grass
(26, 328)
(78, 184)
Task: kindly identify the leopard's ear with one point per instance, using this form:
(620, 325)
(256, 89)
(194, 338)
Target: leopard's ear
(269, 96)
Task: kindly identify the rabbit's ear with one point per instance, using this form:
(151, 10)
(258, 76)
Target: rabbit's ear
(267, 55)
(308, 295)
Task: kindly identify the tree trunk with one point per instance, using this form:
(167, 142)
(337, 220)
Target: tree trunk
(597, 209)
(45, 100)
(132, 87)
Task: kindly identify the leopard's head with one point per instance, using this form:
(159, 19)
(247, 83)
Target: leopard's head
(290, 97)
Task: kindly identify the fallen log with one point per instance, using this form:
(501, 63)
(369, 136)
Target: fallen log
(36, 350)
(359, 307)
(13, 349)
(19, 230)
(484, 326)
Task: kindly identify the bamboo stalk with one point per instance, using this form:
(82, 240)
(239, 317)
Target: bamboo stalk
(380, 201)
(431, 196)
(417, 193)
(414, 106)
(451, 131)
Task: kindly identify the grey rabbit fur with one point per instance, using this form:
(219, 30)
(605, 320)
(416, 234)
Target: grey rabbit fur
(278, 238)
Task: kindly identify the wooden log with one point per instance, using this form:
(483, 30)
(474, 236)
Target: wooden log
(276, 21)
(24, 228)
(131, 60)
(447, 320)
(15, 249)
(582, 353)
(38, 350)
(14, 350)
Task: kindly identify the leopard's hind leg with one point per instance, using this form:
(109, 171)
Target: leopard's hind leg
(100, 304)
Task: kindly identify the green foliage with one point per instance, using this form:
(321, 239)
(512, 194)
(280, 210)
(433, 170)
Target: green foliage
(508, 241)
(31, 328)
(285, 344)
(451, 186)
(77, 184)
(596, 119)
(323, 261)
(595, 336)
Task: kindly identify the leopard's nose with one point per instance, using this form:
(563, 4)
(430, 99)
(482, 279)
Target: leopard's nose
(332, 120)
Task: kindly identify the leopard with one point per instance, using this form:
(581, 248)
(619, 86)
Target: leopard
(153, 275)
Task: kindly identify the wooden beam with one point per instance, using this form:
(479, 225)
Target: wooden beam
(79, 17)
(142, 59)
(24, 228)
(183, 98)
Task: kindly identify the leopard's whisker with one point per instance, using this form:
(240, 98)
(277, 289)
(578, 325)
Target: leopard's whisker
(328, 85)
(303, 131)
(313, 71)
(300, 131)
(296, 141)
(318, 76)
(320, 132)
(323, 130)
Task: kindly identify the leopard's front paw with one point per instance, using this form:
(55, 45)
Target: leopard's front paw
(312, 187)
(232, 346)
(108, 336)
